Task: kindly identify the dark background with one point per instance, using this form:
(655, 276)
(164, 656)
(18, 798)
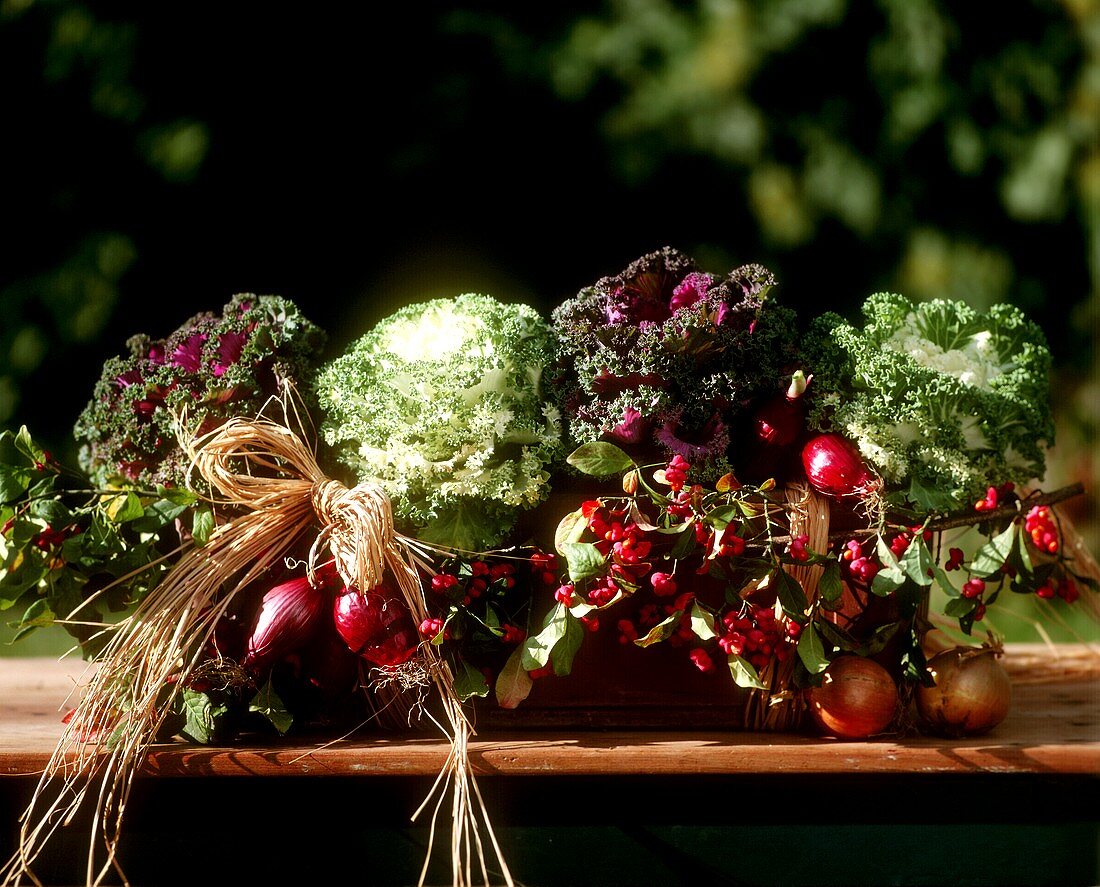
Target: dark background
(157, 158)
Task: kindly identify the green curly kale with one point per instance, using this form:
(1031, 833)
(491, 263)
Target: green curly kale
(943, 400)
(442, 402)
(215, 366)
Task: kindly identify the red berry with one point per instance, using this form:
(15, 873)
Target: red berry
(702, 660)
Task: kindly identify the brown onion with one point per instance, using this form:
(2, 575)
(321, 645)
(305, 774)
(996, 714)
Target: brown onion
(972, 694)
(857, 698)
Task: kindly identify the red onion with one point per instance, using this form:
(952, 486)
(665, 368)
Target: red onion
(375, 625)
(779, 421)
(289, 615)
(328, 664)
(834, 467)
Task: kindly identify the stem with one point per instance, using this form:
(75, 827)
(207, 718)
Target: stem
(968, 518)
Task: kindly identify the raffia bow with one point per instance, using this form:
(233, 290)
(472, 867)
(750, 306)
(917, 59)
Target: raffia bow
(270, 477)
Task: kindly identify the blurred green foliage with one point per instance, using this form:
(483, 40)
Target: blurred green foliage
(162, 162)
(63, 288)
(956, 147)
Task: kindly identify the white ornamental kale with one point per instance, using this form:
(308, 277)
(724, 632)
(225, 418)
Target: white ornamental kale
(943, 400)
(442, 402)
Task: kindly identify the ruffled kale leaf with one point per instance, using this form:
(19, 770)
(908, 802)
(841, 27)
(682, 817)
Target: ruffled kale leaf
(664, 358)
(943, 400)
(443, 403)
(214, 367)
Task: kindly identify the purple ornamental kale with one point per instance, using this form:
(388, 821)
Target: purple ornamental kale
(664, 358)
(213, 366)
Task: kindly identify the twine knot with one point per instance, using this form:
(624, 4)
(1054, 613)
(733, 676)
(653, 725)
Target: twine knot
(357, 524)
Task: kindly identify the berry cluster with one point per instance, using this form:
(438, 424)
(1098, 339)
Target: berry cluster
(460, 586)
(860, 567)
(757, 635)
(994, 496)
(1065, 588)
(1040, 526)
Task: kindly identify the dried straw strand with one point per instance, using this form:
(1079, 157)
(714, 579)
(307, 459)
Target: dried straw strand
(778, 708)
(267, 472)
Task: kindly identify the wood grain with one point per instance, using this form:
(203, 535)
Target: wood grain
(1053, 728)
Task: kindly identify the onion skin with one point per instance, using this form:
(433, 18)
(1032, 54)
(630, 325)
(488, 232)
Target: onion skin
(328, 664)
(375, 625)
(834, 467)
(857, 698)
(972, 695)
(290, 614)
(780, 421)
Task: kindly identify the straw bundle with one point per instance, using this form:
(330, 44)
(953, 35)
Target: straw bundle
(266, 474)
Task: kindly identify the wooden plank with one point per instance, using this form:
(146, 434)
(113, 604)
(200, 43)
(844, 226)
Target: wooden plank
(1053, 728)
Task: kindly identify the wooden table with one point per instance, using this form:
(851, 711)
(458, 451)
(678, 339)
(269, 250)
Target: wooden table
(1026, 779)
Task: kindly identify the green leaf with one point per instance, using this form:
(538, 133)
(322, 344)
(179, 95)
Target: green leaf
(537, 648)
(702, 622)
(837, 636)
(944, 582)
(890, 577)
(723, 516)
(685, 543)
(599, 459)
(9, 452)
(790, 594)
(662, 631)
(916, 562)
(749, 509)
(177, 495)
(469, 682)
(744, 675)
(568, 646)
(22, 569)
(829, 586)
(158, 515)
(125, 507)
(1021, 557)
(570, 529)
(991, 557)
(202, 525)
(513, 683)
(37, 615)
(101, 539)
(22, 633)
(811, 650)
(584, 559)
(202, 716)
(959, 607)
(266, 702)
(14, 482)
(929, 499)
(879, 639)
(464, 526)
(50, 509)
(28, 447)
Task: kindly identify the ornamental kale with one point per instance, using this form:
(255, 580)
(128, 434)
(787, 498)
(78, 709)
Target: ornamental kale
(443, 403)
(943, 400)
(213, 366)
(664, 359)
